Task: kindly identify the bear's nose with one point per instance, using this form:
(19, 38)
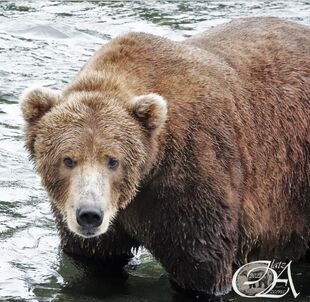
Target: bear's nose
(89, 216)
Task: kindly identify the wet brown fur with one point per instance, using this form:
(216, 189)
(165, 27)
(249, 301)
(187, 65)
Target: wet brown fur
(225, 179)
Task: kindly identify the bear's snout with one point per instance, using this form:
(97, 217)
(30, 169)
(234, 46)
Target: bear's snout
(89, 217)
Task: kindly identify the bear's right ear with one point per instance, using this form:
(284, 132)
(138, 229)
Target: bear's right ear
(151, 111)
(35, 103)
(38, 101)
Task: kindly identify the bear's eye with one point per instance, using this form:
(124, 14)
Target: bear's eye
(112, 162)
(69, 162)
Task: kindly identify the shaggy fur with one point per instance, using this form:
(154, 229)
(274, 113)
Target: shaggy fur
(222, 179)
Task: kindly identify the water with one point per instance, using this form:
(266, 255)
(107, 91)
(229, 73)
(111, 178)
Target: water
(46, 42)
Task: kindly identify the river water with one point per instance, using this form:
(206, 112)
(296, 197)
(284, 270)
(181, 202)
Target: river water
(45, 43)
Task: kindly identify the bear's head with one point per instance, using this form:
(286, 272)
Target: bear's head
(92, 151)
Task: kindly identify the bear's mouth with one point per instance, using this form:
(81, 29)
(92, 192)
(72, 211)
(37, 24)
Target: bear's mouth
(88, 232)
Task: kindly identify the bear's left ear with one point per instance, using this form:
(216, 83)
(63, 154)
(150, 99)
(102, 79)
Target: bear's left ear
(150, 110)
(36, 101)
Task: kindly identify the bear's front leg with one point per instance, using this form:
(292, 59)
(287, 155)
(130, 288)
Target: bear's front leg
(112, 249)
(198, 246)
(198, 270)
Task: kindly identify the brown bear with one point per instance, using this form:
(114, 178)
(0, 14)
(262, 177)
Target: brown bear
(198, 150)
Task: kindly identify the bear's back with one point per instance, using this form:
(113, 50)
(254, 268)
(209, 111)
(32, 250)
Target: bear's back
(243, 43)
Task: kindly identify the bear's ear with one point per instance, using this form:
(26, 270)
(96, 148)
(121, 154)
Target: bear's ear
(37, 101)
(150, 110)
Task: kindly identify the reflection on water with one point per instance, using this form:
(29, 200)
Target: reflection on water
(46, 42)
